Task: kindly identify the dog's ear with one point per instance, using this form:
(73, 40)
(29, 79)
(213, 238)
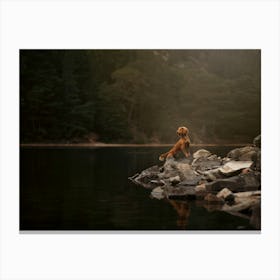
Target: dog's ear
(186, 130)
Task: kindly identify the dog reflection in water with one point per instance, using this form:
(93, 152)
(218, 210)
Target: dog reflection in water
(183, 210)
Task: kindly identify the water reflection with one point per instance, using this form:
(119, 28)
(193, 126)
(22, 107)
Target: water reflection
(183, 211)
(88, 189)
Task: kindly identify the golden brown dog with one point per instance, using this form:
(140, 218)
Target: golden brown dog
(182, 145)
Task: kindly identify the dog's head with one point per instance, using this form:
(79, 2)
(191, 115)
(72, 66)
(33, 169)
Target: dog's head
(182, 131)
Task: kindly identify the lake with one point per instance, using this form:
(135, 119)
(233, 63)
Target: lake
(88, 189)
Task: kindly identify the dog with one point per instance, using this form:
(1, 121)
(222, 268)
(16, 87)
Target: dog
(183, 144)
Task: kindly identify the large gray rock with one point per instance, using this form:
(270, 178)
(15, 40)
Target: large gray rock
(174, 168)
(147, 177)
(233, 167)
(244, 154)
(203, 163)
(239, 183)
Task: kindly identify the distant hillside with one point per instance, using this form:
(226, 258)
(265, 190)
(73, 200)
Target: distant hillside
(134, 96)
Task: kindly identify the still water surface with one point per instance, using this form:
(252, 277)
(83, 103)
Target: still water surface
(88, 189)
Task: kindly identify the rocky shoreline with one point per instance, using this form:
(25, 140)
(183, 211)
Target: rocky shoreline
(231, 184)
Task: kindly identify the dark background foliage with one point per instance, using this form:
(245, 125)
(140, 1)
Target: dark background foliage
(139, 96)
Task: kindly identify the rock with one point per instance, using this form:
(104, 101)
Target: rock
(206, 161)
(233, 167)
(179, 192)
(246, 203)
(173, 168)
(169, 169)
(191, 182)
(202, 153)
(213, 174)
(247, 194)
(174, 180)
(244, 154)
(232, 183)
(225, 160)
(158, 193)
(200, 191)
(224, 193)
(250, 199)
(246, 170)
(200, 188)
(257, 161)
(157, 182)
(239, 183)
(185, 171)
(211, 198)
(257, 141)
(251, 181)
(146, 176)
(213, 157)
(248, 153)
(203, 164)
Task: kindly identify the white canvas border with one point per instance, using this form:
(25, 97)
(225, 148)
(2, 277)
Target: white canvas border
(124, 24)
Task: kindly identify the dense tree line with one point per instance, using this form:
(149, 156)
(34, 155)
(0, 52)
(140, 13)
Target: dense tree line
(139, 96)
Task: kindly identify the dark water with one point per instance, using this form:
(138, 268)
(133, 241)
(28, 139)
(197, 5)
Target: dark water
(88, 189)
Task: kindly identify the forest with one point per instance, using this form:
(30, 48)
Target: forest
(139, 96)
